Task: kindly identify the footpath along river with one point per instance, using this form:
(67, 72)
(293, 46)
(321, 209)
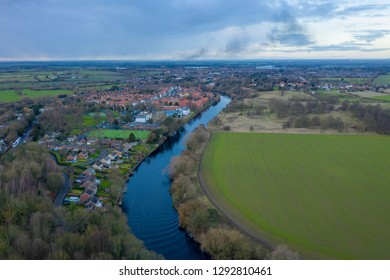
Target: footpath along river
(148, 202)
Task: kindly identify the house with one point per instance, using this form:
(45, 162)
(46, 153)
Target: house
(116, 144)
(96, 201)
(86, 196)
(113, 156)
(92, 203)
(119, 152)
(98, 165)
(81, 139)
(82, 155)
(72, 157)
(80, 179)
(91, 140)
(86, 184)
(93, 188)
(106, 161)
(105, 142)
(74, 147)
(90, 178)
(89, 171)
(71, 138)
(90, 150)
(185, 111)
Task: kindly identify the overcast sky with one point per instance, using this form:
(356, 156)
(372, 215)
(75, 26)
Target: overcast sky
(193, 29)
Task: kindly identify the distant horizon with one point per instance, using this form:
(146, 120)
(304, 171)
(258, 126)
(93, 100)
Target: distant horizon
(194, 60)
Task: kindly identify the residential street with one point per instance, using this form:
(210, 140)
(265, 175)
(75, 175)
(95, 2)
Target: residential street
(103, 154)
(62, 192)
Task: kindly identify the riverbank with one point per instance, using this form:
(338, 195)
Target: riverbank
(148, 201)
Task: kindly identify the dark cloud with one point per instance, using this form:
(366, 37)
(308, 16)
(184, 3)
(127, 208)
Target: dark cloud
(146, 28)
(237, 44)
(198, 54)
(289, 32)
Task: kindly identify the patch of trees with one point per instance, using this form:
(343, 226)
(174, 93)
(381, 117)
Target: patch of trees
(250, 109)
(32, 228)
(59, 120)
(284, 109)
(30, 169)
(375, 117)
(324, 123)
(197, 215)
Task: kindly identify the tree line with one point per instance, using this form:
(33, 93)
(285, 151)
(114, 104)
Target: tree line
(287, 108)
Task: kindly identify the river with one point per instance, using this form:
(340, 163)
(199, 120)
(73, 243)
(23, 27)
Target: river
(148, 202)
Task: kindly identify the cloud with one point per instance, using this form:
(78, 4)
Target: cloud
(237, 44)
(196, 54)
(371, 35)
(191, 29)
(355, 10)
(346, 47)
(289, 33)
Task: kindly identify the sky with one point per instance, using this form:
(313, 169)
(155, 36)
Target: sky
(193, 29)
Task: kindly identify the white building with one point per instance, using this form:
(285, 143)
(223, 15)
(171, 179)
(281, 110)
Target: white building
(143, 117)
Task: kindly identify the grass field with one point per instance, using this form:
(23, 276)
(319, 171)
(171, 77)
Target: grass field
(119, 134)
(383, 79)
(92, 120)
(347, 80)
(12, 96)
(327, 196)
(382, 98)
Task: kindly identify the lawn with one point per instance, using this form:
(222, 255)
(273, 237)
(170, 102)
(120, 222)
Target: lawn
(119, 134)
(327, 196)
(12, 96)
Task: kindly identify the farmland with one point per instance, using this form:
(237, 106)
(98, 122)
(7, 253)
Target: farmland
(346, 80)
(382, 98)
(324, 195)
(12, 95)
(383, 79)
(119, 134)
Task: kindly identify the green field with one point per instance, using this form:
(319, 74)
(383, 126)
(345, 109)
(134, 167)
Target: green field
(12, 96)
(383, 79)
(119, 134)
(347, 80)
(327, 196)
(382, 98)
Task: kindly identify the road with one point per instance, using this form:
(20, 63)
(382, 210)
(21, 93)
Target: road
(103, 154)
(58, 201)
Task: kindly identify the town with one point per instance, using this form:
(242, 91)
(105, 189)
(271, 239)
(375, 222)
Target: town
(94, 127)
(86, 132)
